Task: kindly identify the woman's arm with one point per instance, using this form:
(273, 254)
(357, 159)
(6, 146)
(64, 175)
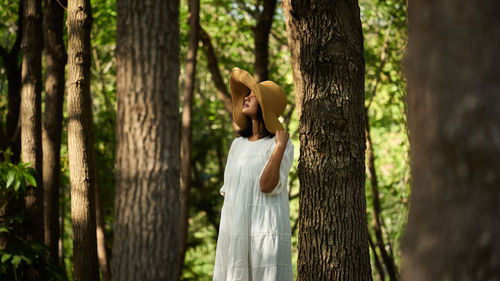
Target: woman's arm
(271, 174)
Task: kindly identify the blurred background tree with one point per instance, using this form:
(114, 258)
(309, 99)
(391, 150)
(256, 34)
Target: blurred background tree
(226, 39)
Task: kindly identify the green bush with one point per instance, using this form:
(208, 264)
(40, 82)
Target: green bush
(19, 253)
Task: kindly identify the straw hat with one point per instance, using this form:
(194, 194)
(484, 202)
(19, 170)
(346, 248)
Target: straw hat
(271, 98)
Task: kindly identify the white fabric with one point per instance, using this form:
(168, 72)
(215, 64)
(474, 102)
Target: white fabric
(254, 233)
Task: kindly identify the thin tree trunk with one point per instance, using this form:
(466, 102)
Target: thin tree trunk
(100, 236)
(56, 57)
(80, 147)
(31, 127)
(377, 210)
(146, 242)
(102, 252)
(333, 242)
(378, 223)
(452, 66)
(378, 265)
(62, 215)
(186, 139)
(261, 39)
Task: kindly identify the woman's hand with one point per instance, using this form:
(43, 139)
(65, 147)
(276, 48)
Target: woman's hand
(281, 138)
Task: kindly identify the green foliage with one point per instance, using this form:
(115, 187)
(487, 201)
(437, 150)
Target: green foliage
(15, 259)
(385, 33)
(8, 23)
(229, 25)
(103, 90)
(8, 35)
(14, 178)
(19, 253)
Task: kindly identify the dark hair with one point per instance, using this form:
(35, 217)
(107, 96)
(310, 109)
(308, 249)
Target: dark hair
(248, 131)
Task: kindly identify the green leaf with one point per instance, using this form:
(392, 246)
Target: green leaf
(31, 180)
(31, 170)
(16, 185)
(10, 178)
(5, 257)
(28, 261)
(16, 260)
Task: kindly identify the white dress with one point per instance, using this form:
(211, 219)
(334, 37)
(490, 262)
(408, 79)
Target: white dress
(254, 233)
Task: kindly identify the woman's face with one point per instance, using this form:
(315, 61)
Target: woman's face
(250, 105)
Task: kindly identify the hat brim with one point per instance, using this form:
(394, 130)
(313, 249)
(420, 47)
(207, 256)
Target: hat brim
(240, 82)
(271, 122)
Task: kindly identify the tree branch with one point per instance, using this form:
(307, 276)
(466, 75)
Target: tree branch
(213, 67)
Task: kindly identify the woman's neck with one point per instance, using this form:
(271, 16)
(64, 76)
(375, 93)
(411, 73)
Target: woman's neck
(256, 129)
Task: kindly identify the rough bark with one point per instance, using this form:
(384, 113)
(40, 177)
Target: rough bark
(146, 242)
(55, 56)
(80, 147)
(186, 138)
(31, 100)
(261, 39)
(31, 127)
(452, 67)
(333, 242)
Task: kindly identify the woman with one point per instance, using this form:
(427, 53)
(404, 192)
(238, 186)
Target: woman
(254, 234)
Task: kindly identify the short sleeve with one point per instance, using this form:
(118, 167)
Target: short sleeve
(230, 157)
(286, 165)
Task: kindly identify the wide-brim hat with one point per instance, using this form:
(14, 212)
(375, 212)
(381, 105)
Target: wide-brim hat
(271, 98)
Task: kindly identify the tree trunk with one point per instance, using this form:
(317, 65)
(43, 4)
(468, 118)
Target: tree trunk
(55, 55)
(377, 209)
(146, 242)
(62, 215)
(80, 147)
(452, 66)
(102, 252)
(378, 264)
(333, 241)
(102, 255)
(31, 127)
(186, 139)
(261, 39)
(31, 133)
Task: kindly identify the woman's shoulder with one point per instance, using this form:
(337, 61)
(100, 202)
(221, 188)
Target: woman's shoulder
(243, 142)
(237, 139)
